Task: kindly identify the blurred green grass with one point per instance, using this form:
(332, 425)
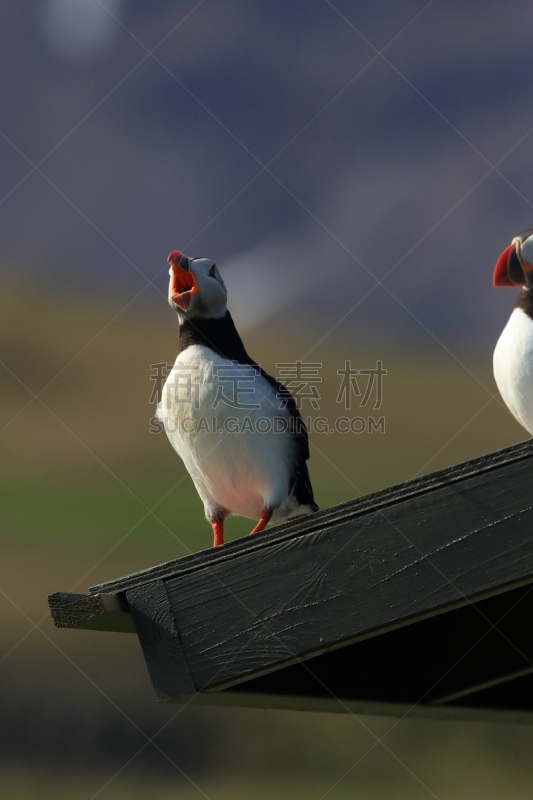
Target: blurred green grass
(463, 763)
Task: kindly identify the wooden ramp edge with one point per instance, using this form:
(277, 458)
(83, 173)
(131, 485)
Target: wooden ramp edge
(414, 599)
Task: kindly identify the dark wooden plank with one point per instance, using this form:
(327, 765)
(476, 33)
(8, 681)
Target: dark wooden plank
(481, 713)
(504, 653)
(516, 695)
(305, 595)
(437, 660)
(160, 642)
(454, 653)
(99, 612)
(349, 511)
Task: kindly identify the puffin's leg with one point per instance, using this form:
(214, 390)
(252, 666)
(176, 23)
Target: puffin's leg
(218, 532)
(216, 515)
(264, 519)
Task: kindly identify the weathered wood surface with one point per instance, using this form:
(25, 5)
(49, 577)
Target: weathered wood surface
(303, 595)
(99, 612)
(452, 666)
(351, 510)
(160, 641)
(417, 597)
(450, 656)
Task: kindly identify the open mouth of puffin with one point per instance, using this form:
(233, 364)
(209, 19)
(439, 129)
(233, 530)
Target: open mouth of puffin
(183, 284)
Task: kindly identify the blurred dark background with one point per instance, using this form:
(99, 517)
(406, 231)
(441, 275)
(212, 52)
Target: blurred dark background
(355, 169)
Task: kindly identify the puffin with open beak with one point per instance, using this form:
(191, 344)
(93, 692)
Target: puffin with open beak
(513, 356)
(238, 430)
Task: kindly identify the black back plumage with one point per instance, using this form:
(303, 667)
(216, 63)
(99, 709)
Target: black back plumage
(221, 336)
(525, 302)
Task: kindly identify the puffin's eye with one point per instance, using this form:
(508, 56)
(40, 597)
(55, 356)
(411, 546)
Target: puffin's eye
(212, 271)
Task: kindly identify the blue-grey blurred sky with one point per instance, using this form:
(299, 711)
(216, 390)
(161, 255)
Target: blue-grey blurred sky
(309, 147)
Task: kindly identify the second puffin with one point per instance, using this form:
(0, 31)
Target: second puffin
(237, 429)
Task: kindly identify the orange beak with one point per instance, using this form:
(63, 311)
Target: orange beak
(501, 270)
(183, 284)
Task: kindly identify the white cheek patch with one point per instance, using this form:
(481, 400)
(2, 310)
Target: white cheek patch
(527, 250)
(211, 298)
